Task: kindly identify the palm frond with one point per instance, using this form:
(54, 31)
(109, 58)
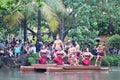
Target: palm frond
(17, 6)
(57, 6)
(31, 9)
(13, 19)
(50, 17)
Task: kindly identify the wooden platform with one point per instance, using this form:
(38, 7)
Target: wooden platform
(61, 68)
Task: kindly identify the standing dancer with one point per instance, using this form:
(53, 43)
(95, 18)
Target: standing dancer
(78, 52)
(57, 43)
(100, 53)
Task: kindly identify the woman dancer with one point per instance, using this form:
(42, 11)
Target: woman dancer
(59, 55)
(72, 57)
(87, 56)
(43, 55)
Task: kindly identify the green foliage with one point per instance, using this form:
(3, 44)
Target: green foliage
(50, 16)
(45, 38)
(103, 16)
(109, 60)
(96, 15)
(58, 7)
(114, 41)
(83, 35)
(33, 58)
(113, 60)
(13, 19)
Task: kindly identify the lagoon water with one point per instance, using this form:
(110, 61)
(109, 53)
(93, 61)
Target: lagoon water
(15, 74)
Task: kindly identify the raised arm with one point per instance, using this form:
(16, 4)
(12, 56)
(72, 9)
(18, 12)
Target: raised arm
(53, 45)
(62, 45)
(91, 56)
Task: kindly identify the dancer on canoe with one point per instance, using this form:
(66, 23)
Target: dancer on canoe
(43, 55)
(57, 43)
(100, 53)
(72, 57)
(59, 55)
(78, 51)
(87, 56)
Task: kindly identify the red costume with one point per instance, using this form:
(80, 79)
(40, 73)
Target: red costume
(71, 59)
(59, 60)
(77, 54)
(43, 58)
(86, 60)
(100, 55)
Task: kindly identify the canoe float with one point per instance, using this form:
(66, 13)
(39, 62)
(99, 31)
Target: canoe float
(62, 68)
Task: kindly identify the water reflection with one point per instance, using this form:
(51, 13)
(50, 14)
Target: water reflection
(17, 75)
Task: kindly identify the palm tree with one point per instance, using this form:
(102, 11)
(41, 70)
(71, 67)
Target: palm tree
(49, 14)
(60, 10)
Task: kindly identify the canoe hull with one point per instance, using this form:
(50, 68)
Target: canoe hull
(62, 68)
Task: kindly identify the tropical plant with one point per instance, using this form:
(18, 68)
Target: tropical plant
(12, 16)
(99, 15)
(111, 60)
(114, 41)
(83, 36)
(24, 10)
(33, 58)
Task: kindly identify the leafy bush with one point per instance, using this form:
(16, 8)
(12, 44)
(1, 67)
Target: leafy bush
(109, 60)
(33, 58)
(114, 41)
(83, 36)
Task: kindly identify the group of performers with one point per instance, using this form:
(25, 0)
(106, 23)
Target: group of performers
(73, 54)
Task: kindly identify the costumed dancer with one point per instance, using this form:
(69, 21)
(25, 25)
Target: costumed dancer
(59, 55)
(100, 53)
(43, 56)
(78, 52)
(87, 56)
(72, 58)
(57, 43)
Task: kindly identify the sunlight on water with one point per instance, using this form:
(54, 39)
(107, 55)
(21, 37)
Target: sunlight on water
(98, 75)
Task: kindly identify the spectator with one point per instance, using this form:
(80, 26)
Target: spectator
(2, 50)
(94, 50)
(39, 46)
(32, 48)
(17, 50)
(110, 50)
(9, 52)
(26, 48)
(13, 42)
(118, 52)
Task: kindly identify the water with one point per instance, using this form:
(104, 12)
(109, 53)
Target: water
(15, 74)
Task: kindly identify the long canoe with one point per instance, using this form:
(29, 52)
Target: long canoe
(62, 68)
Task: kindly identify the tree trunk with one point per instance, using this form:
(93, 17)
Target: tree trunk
(25, 27)
(62, 29)
(54, 35)
(39, 25)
